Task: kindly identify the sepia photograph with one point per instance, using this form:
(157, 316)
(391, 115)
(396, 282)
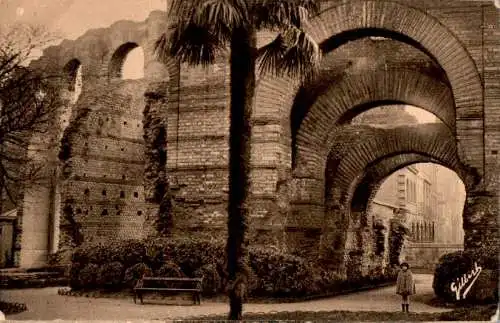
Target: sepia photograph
(249, 160)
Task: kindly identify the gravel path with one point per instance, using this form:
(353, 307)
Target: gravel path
(45, 304)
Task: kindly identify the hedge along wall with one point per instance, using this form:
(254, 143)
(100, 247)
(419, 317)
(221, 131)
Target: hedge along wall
(118, 265)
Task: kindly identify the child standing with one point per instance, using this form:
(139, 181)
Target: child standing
(405, 286)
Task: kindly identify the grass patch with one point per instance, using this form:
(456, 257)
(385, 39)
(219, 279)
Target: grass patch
(476, 313)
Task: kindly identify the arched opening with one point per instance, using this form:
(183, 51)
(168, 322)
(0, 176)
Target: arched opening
(73, 77)
(127, 62)
(395, 116)
(365, 152)
(430, 199)
(360, 76)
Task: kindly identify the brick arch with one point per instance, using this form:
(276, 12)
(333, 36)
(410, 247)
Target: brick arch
(364, 188)
(353, 94)
(434, 141)
(331, 28)
(413, 26)
(69, 72)
(115, 65)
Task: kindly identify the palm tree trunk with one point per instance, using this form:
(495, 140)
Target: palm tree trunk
(242, 91)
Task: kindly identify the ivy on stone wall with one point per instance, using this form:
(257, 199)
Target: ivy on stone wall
(379, 237)
(65, 152)
(71, 233)
(165, 220)
(396, 240)
(156, 183)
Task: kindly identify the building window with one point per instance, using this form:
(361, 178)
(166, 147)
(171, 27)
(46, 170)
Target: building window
(122, 194)
(139, 213)
(103, 192)
(87, 192)
(104, 212)
(136, 194)
(411, 191)
(427, 194)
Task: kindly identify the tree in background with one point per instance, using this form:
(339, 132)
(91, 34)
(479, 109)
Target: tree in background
(201, 29)
(27, 101)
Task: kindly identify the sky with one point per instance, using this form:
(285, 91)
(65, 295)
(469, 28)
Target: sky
(72, 18)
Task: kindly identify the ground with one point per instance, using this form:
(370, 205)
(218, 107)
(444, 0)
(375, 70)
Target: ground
(46, 304)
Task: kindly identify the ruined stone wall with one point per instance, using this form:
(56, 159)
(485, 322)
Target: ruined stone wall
(105, 187)
(196, 116)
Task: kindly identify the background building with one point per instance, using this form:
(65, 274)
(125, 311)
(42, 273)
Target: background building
(431, 196)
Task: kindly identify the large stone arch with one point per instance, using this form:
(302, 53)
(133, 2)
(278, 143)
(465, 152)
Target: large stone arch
(321, 202)
(331, 29)
(364, 187)
(432, 140)
(354, 94)
(362, 163)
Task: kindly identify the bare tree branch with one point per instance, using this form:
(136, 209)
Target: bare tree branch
(29, 100)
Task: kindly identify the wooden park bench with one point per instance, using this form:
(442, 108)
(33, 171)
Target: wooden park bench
(167, 285)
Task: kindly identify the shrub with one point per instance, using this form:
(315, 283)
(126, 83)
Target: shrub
(212, 282)
(454, 265)
(191, 254)
(87, 277)
(111, 275)
(134, 273)
(74, 272)
(271, 273)
(59, 258)
(280, 274)
(132, 252)
(170, 269)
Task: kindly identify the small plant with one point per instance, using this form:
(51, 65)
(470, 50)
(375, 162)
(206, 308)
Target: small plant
(396, 241)
(379, 237)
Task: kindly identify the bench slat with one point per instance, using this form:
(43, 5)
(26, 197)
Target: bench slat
(172, 289)
(172, 279)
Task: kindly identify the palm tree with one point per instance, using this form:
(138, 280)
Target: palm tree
(199, 30)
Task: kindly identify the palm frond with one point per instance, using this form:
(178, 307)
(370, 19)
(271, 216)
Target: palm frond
(192, 44)
(183, 9)
(270, 56)
(302, 57)
(200, 29)
(275, 14)
(221, 17)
